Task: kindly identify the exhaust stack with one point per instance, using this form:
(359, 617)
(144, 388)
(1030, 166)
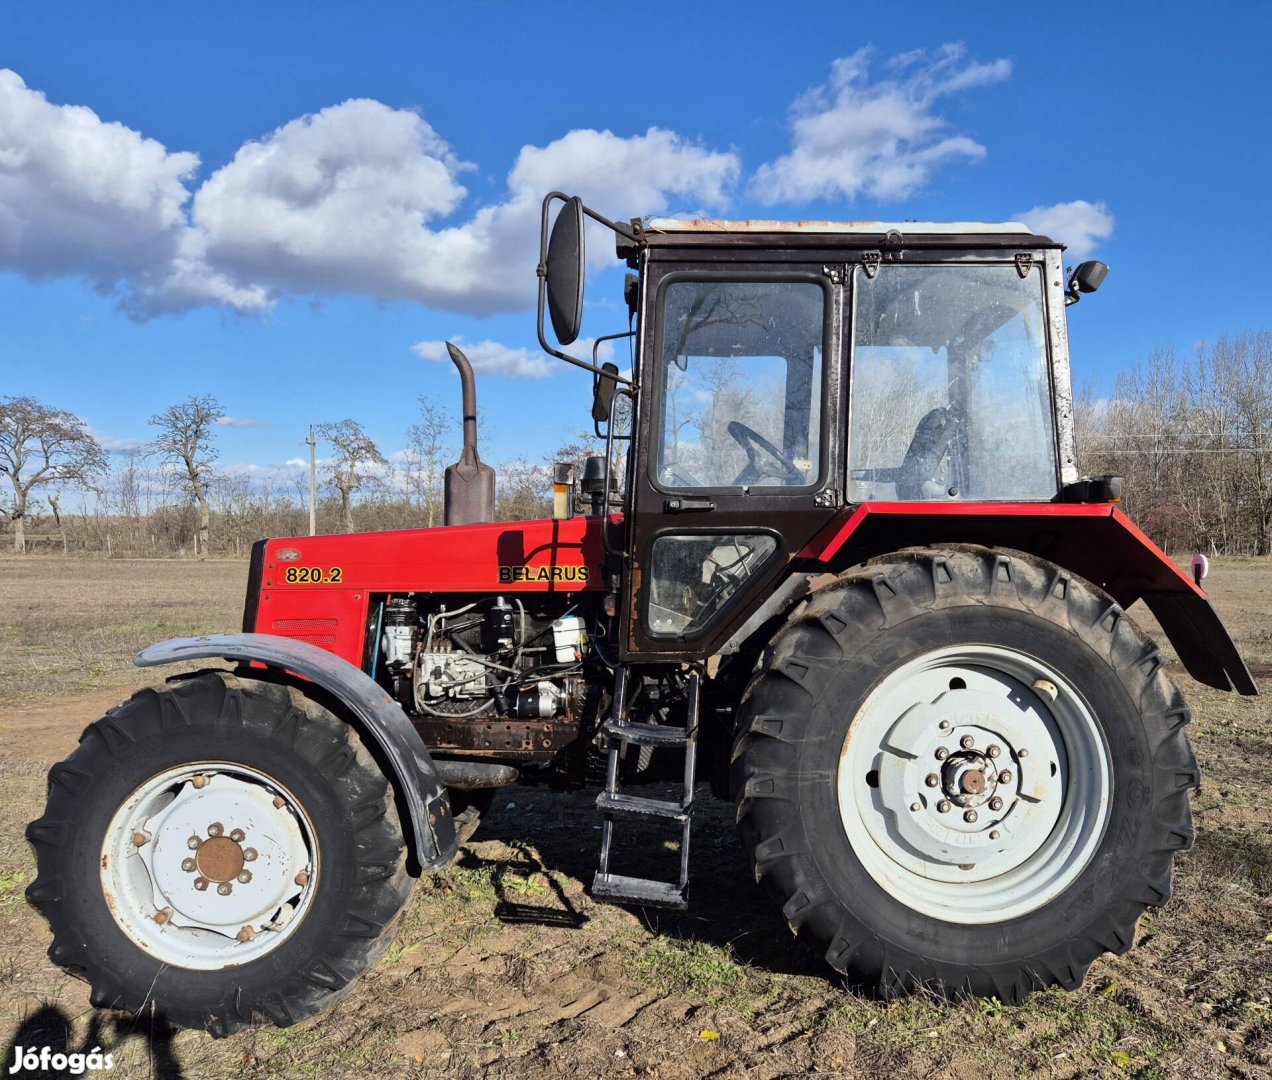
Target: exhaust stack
(469, 489)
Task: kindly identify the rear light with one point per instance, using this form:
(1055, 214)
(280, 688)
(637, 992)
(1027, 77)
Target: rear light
(1093, 489)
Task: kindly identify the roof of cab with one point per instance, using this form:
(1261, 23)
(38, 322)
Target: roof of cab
(706, 233)
(923, 228)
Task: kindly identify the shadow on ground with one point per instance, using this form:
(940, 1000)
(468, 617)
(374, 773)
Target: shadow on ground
(104, 1035)
(726, 907)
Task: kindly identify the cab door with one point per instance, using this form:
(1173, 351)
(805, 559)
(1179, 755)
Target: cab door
(738, 459)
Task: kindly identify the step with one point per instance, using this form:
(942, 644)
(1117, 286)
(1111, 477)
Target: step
(633, 890)
(619, 803)
(647, 734)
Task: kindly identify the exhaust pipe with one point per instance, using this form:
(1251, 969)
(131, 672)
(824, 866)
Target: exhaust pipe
(469, 489)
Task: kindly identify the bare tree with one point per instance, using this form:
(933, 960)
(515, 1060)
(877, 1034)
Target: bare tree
(185, 444)
(43, 447)
(427, 449)
(522, 490)
(352, 469)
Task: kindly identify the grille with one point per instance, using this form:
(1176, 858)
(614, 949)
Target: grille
(294, 627)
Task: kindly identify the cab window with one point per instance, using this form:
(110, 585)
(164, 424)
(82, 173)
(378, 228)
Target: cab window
(951, 392)
(741, 384)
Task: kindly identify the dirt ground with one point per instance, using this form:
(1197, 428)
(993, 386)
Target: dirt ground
(505, 967)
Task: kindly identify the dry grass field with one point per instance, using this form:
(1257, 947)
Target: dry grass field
(504, 966)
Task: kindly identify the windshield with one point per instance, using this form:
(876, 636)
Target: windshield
(741, 382)
(951, 397)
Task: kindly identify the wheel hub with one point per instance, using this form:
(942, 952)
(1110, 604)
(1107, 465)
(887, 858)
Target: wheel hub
(968, 779)
(220, 859)
(217, 866)
(955, 781)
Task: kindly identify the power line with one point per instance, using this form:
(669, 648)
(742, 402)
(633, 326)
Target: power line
(1186, 450)
(1174, 435)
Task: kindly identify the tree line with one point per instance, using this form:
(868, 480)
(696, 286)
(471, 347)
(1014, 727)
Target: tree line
(171, 497)
(1192, 437)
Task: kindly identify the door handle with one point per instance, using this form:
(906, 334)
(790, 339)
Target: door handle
(687, 506)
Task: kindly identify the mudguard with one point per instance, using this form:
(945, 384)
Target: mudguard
(1095, 541)
(380, 717)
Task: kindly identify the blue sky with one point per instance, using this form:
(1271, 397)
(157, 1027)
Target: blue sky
(276, 203)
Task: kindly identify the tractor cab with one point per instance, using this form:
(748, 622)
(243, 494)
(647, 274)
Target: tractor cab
(788, 370)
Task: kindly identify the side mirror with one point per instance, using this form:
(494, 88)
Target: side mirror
(564, 272)
(603, 392)
(1088, 277)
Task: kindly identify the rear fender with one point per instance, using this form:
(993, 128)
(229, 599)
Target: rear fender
(432, 832)
(1095, 541)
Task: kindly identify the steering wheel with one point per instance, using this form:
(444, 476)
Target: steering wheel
(751, 440)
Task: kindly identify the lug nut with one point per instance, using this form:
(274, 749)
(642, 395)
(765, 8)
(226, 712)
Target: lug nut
(216, 829)
(162, 917)
(1005, 776)
(932, 779)
(995, 835)
(941, 753)
(200, 883)
(224, 889)
(188, 865)
(244, 877)
(943, 806)
(915, 807)
(237, 836)
(995, 803)
(969, 815)
(246, 934)
(994, 751)
(193, 843)
(249, 854)
(966, 742)
(199, 781)
(302, 878)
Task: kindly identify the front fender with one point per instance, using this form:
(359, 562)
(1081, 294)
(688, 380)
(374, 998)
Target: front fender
(414, 775)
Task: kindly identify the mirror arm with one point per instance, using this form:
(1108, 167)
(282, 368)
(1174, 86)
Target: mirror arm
(623, 230)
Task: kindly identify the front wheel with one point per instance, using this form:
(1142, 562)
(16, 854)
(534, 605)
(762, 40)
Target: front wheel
(964, 771)
(223, 850)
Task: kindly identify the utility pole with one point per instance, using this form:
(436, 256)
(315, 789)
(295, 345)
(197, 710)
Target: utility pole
(313, 483)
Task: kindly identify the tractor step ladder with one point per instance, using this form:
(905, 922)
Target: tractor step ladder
(615, 804)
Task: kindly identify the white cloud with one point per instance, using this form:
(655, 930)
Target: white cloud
(491, 358)
(356, 198)
(116, 444)
(364, 198)
(235, 422)
(1079, 224)
(349, 200)
(852, 137)
(81, 196)
(495, 358)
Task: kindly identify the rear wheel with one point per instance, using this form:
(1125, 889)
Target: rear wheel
(963, 771)
(223, 850)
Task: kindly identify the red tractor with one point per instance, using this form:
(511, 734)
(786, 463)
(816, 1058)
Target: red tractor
(837, 559)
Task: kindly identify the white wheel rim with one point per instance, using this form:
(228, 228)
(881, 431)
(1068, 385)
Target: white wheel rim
(995, 837)
(209, 865)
